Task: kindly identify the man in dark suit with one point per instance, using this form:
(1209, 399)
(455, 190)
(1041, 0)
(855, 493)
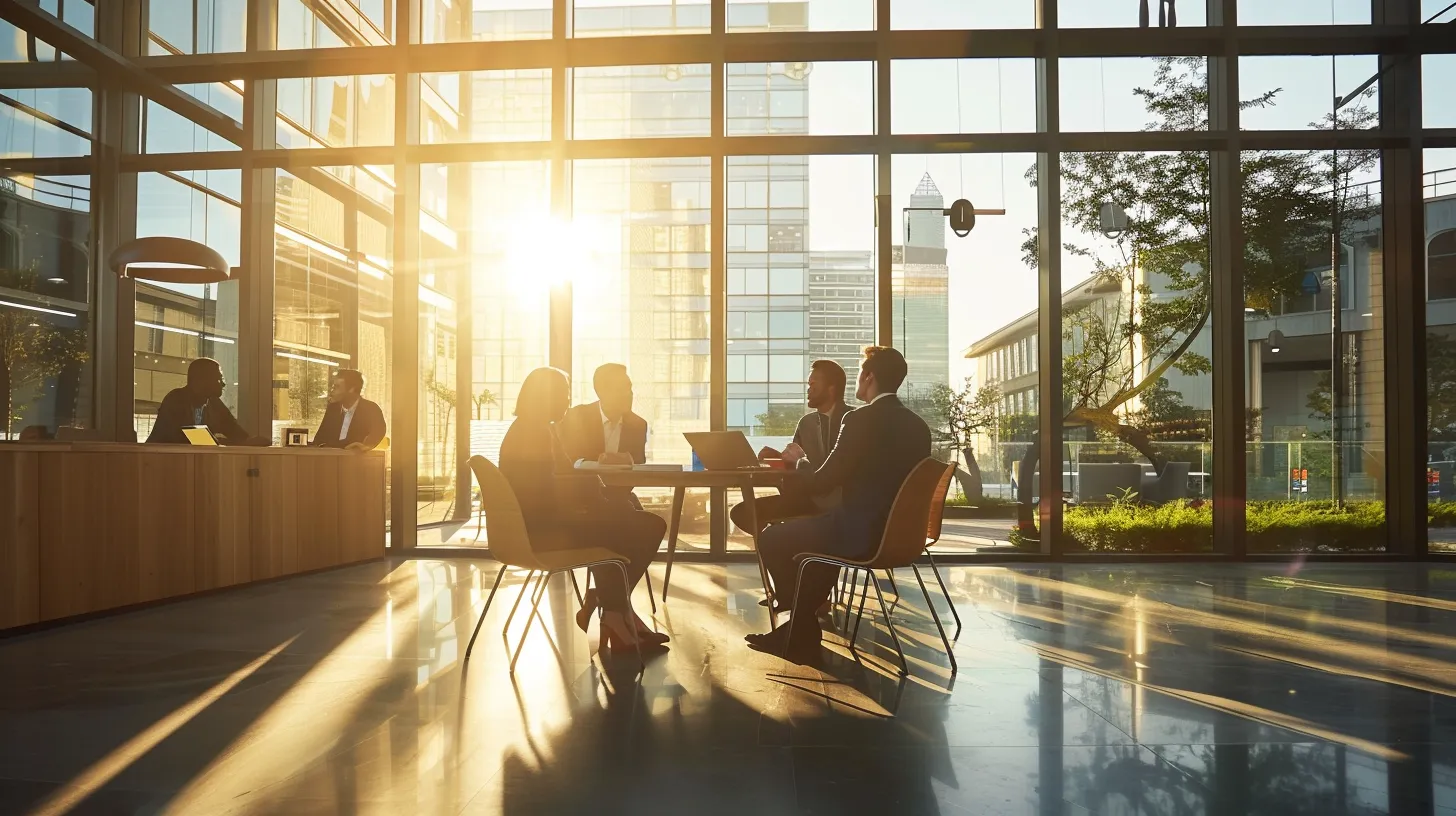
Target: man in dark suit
(813, 440)
(879, 444)
(606, 431)
(199, 403)
(350, 421)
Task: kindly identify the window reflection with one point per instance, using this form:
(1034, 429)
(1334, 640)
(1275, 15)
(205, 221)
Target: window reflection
(177, 323)
(45, 314)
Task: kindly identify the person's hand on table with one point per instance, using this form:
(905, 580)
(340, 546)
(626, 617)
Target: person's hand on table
(793, 453)
(358, 447)
(615, 459)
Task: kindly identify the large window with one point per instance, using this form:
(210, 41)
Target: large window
(1137, 343)
(976, 296)
(45, 303)
(1315, 360)
(699, 189)
(177, 323)
(641, 299)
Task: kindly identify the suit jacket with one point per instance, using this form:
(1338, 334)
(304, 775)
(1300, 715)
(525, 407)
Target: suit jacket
(558, 505)
(879, 444)
(809, 437)
(176, 413)
(582, 435)
(367, 427)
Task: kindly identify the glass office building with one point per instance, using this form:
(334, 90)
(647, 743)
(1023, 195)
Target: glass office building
(445, 195)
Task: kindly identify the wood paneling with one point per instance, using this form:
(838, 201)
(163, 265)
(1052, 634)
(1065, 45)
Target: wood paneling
(19, 538)
(86, 527)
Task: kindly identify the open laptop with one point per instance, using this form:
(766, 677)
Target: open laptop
(724, 450)
(199, 435)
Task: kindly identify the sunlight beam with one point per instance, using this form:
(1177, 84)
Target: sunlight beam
(105, 769)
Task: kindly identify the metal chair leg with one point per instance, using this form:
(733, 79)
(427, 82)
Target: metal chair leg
(953, 613)
(525, 587)
(891, 575)
(479, 525)
(793, 610)
(491, 597)
(859, 616)
(580, 598)
(535, 610)
(935, 616)
(890, 624)
(653, 600)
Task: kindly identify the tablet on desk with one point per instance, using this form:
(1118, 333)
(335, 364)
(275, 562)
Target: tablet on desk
(199, 435)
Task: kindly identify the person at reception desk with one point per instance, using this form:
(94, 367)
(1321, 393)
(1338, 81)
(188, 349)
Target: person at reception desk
(199, 403)
(350, 421)
(813, 440)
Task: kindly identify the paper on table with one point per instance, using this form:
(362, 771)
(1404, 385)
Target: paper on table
(658, 468)
(588, 464)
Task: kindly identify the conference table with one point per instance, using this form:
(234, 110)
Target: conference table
(680, 481)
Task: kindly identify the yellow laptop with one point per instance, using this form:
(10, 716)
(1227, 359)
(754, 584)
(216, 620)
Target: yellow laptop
(199, 435)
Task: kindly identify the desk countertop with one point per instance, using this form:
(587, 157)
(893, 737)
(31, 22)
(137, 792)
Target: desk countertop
(137, 447)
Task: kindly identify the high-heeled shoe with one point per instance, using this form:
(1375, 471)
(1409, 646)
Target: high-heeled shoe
(647, 634)
(617, 635)
(589, 604)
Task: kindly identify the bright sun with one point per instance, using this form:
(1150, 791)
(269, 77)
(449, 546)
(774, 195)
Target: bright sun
(544, 252)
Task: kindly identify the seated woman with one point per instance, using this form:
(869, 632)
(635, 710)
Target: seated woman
(531, 459)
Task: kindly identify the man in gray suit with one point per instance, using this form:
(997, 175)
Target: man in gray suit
(813, 440)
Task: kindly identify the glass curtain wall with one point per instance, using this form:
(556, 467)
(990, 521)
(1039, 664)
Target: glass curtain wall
(710, 219)
(175, 323)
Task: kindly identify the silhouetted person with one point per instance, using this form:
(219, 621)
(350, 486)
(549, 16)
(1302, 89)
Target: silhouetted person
(564, 510)
(607, 431)
(199, 403)
(350, 421)
(879, 444)
(813, 440)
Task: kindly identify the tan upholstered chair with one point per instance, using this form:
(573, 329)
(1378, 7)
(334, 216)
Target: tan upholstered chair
(903, 542)
(510, 545)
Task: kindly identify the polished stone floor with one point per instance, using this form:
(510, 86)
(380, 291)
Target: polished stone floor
(1117, 689)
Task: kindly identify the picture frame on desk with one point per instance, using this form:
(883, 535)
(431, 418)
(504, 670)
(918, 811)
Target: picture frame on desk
(295, 437)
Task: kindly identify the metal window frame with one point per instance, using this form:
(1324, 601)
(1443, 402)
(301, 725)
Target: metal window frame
(116, 68)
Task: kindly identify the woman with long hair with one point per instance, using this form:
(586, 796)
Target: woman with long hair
(559, 517)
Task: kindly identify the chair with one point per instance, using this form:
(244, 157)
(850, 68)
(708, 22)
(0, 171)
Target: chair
(510, 545)
(932, 537)
(901, 545)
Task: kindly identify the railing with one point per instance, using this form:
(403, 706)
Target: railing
(1291, 471)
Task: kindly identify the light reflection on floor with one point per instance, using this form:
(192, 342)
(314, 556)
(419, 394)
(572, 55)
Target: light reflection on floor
(1177, 689)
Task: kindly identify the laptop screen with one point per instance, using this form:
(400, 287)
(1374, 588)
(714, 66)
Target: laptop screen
(199, 435)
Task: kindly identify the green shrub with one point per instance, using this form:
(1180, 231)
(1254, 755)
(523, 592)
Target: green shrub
(1273, 526)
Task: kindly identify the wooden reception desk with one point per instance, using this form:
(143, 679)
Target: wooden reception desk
(86, 527)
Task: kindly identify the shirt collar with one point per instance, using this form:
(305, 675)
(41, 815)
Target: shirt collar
(605, 420)
(351, 408)
(882, 396)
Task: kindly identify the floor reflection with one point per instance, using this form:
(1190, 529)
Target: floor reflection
(1147, 689)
